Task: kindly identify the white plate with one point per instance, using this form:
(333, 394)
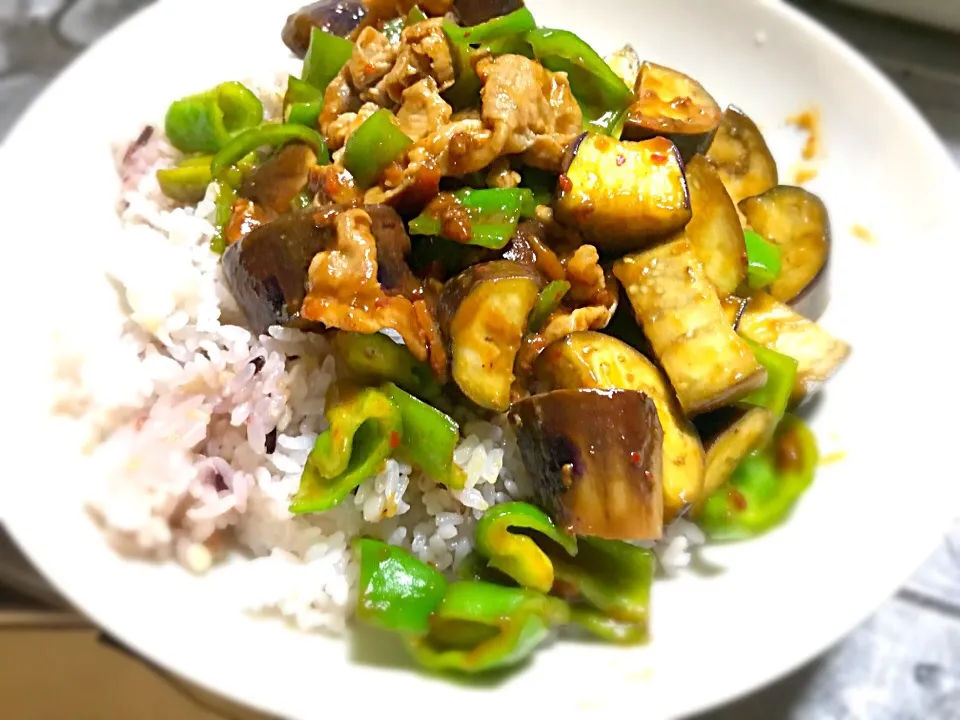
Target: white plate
(868, 522)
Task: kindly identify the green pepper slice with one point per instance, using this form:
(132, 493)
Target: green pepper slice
(602, 94)
(493, 213)
(377, 358)
(268, 135)
(374, 145)
(396, 590)
(188, 182)
(365, 427)
(480, 627)
(608, 629)
(516, 23)
(781, 376)
(225, 197)
(548, 301)
(325, 58)
(303, 113)
(429, 438)
(764, 260)
(416, 16)
(765, 486)
(517, 555)
(205, 122)
(613, 576)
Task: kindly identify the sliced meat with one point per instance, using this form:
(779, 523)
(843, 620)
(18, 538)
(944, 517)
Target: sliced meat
(340, 130)
(524, 100)
(423, 111)
(586, 277)
(343, 291)
(502, 175)
(423, 52)
(373, 57)
(339, 98)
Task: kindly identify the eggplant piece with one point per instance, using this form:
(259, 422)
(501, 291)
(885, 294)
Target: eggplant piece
(626, 64)
(622, 196)
(742, 156)
(278, 180)
(714, 231)
(474, 12)
(595, 460)
(337, 17)
(777, 326)
(729, 435)
(797, 221)
(592, 360)
(393, 247)
(675, 106)
(708, 364)
(483, 311)
(267, 269)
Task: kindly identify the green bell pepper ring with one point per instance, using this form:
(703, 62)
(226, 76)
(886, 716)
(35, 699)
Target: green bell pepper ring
(480, 627)
(764, 260)
(781, 376)
(547, 302)
(377, 358)
(493, 214)
(541, 183)
(226, 196)
(268, 135)
(374, 145)
(325, 58)
(517, 23)
(365, 428)
(429, 438)
(396, 590)
(612, 576)
(516, 555)
(300, 91)
(303, 113)
(765, 486)
(602, 94)
(188, 182)
(205, 122)
(416, 16)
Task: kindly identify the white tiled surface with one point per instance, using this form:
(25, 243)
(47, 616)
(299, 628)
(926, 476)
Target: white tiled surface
(904, 663)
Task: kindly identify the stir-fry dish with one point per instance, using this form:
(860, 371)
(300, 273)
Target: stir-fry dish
(489, 221)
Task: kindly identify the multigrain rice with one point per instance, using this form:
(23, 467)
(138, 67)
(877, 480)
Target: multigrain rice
(200, 430)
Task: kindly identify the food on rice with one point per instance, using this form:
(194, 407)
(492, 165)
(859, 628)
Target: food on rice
(421, 335)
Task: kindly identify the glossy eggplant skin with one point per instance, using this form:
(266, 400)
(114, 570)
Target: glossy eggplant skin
(595, 460)
(742, 157)
(474, 12)
(623, 196)
(797, 221)
(267, 269)
(708, 364)
(675, 106)
(483, 312)
(598, 361)
(779, 327)
(729, 435)
(337, 17)
(714, 230)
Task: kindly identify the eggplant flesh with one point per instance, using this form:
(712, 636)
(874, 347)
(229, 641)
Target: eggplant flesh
(595, 460)
(779, 327)
(483, 311)
(675, 106)
(729, 435)
(797, 221)
(337, 17)
(623, 196)
(714, 230)
(474, 12)
(742, 157)
(593, 360)
(267, 269)
(708, 364)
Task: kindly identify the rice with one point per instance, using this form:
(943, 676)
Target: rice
(199, 430)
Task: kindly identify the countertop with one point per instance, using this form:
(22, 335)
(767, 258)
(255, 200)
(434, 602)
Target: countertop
(901, 664)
